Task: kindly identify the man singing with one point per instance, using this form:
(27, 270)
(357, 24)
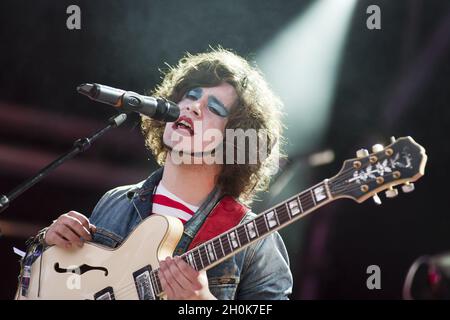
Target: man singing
(203, 170)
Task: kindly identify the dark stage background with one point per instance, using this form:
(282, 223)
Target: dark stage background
(393, 81)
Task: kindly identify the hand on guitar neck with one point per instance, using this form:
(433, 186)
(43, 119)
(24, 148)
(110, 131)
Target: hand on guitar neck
(182, 282)
(70, 229)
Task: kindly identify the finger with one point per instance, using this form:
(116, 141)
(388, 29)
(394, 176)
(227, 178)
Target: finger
(179, 291)
(80, 217)
(165, 283)
(77, 227)
(60, 241)
(52, 238)
(68, 234)
(187, 270)
(178, 275)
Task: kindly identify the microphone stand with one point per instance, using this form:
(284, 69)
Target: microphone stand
(79, 146)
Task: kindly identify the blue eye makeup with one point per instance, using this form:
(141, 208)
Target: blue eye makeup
(195, 93)
(214, 105)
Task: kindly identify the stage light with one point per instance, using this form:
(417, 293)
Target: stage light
(302, 62)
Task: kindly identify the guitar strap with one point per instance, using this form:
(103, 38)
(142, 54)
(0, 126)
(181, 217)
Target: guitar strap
(226, 214)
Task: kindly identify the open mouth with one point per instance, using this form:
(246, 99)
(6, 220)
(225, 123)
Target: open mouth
(184, 123)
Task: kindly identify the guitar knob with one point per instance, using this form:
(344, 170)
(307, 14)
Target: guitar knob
(376, 199)
(391, 193)
(377, 148)
(408, 187)
(361, 153)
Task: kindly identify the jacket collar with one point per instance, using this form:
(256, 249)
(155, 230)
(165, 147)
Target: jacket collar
(142, 195)
(147, 186)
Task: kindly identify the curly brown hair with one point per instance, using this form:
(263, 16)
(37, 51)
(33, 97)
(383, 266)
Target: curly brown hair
(257, 108)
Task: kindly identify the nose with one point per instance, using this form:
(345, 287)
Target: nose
(195, 108)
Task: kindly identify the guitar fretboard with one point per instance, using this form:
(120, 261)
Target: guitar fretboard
(227, 244)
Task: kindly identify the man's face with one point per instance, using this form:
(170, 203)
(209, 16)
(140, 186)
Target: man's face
(204, 114)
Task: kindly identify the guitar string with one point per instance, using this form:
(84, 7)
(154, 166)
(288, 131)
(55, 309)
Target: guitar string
(343, 178)
(355, 187)
(202, 256)
(154, 274)
(227, 247)
(343, 173)
(154, 278)
(260, 224)
(339, 179)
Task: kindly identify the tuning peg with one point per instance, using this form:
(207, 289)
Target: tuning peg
(391, 193)
(377, 148)
(376, 199)
(361, 153)
(393, 139)
(408, 187)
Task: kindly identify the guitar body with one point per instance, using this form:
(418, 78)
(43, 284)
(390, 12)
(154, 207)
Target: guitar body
(98, 272)
(131, 270)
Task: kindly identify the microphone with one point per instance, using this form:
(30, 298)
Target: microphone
(156, 108)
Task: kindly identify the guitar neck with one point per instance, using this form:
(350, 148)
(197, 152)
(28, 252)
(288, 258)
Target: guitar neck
(401, 162)
(225, 245)
(234, 240)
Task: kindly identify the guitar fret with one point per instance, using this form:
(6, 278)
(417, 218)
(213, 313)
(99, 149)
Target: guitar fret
(300, 204)
(198, 259)
(276, 216)
(153, 285)
(229, 243)
(242, 235)
(252, 229)
(234, 239)
(191, 260)
(203, 254)
(218, 248)
(282, 214)
(212, 254)
(246, 232)
(158, 283)
(294, 206)
(306, 201)
(226, 244)
(312, 196)
(319, 193)
(260, 223)
(155, 276)
(271, 219)
(223, 246)
(288, 210)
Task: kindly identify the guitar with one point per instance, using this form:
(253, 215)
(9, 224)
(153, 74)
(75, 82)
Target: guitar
(130, 271)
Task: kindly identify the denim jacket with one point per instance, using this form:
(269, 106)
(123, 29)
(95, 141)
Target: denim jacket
(258, 272)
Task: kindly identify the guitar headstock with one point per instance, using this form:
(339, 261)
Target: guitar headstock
(401, 162)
